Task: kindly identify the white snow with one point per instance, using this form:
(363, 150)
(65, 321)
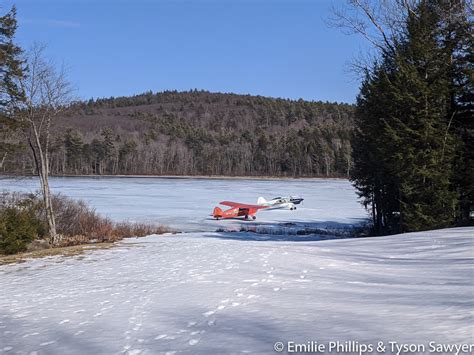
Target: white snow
(210, 292)
(186, 204)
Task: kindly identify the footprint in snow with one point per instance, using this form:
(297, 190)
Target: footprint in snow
(193, 341)
(161, 336)
(29, 335)
(208, 314)
(47, 343)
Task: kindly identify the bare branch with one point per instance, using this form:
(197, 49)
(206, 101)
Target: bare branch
(47, 94)
(379, 22)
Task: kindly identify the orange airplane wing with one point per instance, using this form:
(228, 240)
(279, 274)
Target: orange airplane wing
(241, 205)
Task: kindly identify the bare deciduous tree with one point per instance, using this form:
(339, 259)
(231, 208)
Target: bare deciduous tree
(47, 95)
(380, 22)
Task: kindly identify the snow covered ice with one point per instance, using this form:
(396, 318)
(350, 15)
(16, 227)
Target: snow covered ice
(186, 204)
(214, 292)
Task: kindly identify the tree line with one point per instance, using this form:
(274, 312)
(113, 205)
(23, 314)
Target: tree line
(198, 133)
(413, 146)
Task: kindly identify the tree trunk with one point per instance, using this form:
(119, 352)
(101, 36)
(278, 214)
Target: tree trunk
(43, 172)
(55, 238)
(3, 160)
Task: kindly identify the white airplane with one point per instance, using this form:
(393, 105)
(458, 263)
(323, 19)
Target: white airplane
(280, 202)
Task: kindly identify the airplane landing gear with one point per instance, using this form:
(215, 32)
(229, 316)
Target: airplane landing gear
(254, 217)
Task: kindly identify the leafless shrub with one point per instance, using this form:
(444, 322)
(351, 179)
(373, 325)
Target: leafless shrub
(79, 224)
(12, 199)
(139, 229)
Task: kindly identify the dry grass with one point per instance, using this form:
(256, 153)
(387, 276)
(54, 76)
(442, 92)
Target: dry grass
(64, 251)
(108, 232)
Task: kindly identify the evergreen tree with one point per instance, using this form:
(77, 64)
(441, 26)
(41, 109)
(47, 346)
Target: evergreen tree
(372, 176)
(11, 70)
(456, 40)
(418, 126)
(11, 65)
(74, 145)
(404, 149)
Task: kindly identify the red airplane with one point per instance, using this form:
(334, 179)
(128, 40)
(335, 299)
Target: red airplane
(237, 210)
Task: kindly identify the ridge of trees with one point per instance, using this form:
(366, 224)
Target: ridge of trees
(199, 133)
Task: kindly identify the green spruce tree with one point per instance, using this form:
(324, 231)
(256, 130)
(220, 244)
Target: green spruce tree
(11, 95)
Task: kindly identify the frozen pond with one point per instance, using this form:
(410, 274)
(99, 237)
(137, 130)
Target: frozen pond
(186, 204)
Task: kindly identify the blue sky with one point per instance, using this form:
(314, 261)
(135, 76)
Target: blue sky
(279, 48)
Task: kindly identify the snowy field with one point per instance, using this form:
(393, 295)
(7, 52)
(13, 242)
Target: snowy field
(206, 292)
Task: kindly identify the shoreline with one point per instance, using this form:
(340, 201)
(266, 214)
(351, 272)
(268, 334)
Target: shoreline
(186, 177)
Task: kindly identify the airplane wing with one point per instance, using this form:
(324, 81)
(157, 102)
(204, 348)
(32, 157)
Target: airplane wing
(241, 205)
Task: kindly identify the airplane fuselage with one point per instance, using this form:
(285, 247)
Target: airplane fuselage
(234, 213)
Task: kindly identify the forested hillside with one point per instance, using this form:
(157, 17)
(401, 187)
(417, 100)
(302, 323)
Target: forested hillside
(198, 133)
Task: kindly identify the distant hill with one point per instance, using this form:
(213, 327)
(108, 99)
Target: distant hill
(200, 133)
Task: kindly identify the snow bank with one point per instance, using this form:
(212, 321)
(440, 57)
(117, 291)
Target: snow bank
(210, 292)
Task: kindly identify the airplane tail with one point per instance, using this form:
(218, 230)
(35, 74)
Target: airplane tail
(261, 201)
(217, 213)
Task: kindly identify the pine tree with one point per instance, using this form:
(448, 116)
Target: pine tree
(404, 147)
(456, 40)
(372, 175)
(11, 70)
(11, 64)
(74, 147)
(418, 127)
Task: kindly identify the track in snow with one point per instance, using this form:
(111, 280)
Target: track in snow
(214, 292)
